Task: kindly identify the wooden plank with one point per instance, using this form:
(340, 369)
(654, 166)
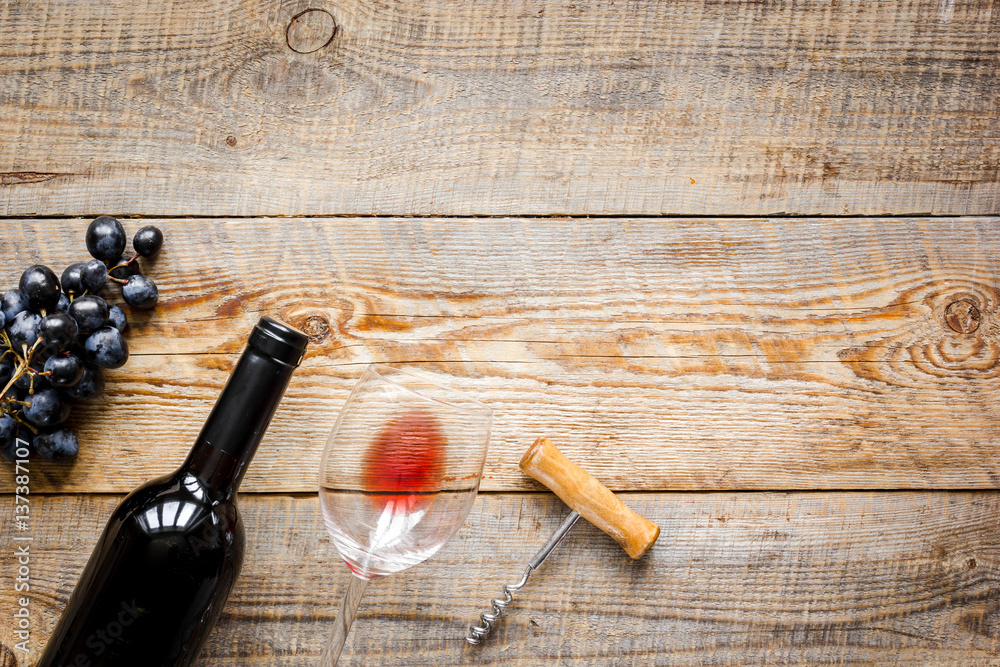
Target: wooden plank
(887, 579)
(659, 354)
(230, 107)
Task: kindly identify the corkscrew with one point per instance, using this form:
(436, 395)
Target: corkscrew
(589, 499)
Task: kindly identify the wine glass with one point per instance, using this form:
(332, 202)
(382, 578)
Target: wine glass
(399, 474)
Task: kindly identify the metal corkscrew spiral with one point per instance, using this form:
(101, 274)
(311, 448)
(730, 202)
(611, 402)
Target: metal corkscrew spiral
(487, 619)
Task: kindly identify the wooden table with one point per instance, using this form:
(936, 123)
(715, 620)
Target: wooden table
(739, 260)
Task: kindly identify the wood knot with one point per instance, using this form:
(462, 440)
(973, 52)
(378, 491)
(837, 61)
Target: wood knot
(7, 657)
(971, 563)
(963, 316)
(18, 177)
(230, 140)
(310, 30)
(316, 328)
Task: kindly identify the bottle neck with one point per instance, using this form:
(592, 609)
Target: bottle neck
(216, 469)
(237, 423)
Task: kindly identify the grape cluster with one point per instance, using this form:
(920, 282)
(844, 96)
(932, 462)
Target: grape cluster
(57, 336)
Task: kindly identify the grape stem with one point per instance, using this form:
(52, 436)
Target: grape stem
(19, 419)
(27, 366)
(23, 366)
(17, 374)
(29, 353)
(6, 341)
(121, 266)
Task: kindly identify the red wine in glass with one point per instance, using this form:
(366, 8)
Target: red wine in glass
(403, 466)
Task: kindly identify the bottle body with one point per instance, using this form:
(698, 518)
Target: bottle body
(170, 554)
(157, 580)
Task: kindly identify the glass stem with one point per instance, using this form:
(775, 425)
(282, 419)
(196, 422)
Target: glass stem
(348, 609)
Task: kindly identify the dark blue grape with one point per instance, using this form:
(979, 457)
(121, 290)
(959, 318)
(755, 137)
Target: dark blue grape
(148, 241)
(12, 303)
(3, 319)
(8, 449)
(140, 292)
(57, 446)
(6, 370)
(46, 408)
(41, 354)
(8, 437)
(123, 269)
(91, 385)
(57, 330)
(16, 393)
(107, 348)
(72, 279)
(105, 238)
(41, 287)
(90, 312)
(64, 370)
(93, 275)
(24, 329)
(116, 318)
(63, 305)
(8, 428)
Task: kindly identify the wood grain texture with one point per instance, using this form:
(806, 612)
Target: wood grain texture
(659, 354)
(886, 579)
(499, 107)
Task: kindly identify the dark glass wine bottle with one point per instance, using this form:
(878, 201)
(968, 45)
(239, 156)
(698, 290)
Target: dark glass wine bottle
(170, 554)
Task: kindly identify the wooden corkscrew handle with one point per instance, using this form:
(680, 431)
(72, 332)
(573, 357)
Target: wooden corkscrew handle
(594, 501)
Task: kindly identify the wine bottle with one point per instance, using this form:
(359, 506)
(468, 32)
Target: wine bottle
(172, 550)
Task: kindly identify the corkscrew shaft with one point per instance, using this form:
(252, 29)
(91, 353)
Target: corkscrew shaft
(488, 619)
